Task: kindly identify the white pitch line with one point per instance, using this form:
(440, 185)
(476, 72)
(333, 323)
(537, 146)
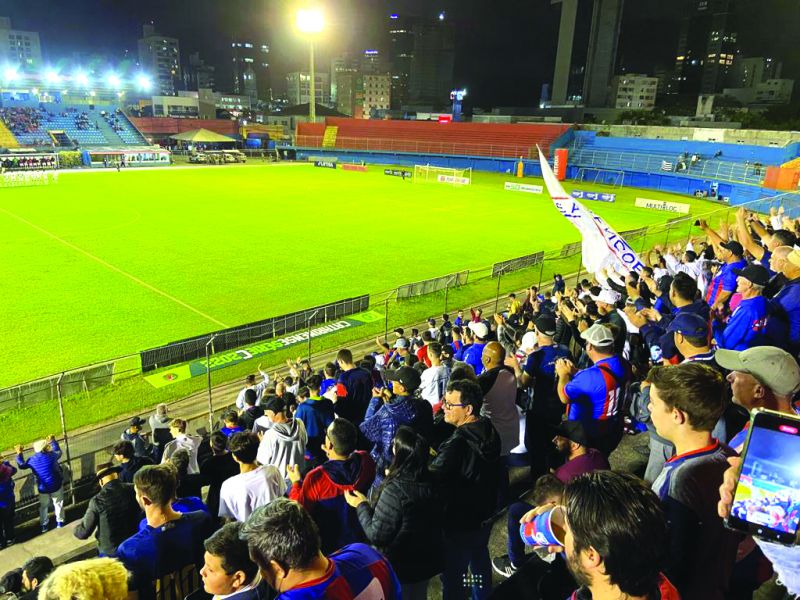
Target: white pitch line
(114, 268)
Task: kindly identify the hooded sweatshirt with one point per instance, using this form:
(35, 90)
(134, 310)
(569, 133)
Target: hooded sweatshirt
(284, 444)
(322, 495)
(184, 442)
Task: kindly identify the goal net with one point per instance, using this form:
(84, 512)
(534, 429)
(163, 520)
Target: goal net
(428, 173)
(610, 177)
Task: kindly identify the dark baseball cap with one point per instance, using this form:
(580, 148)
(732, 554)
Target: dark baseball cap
(275, 404)
(573, 431)
(546, 324)
(734, 247)
(408, 376)
(137, 421)
(754, 274)
(690, 324)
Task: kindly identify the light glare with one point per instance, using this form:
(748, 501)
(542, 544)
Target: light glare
(310, 20)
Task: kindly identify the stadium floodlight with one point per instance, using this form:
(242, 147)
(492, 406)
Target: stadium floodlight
(114, 80)
(144, 83)
(35, 91)
(10, 74)
(81, 78)
(52, 77)
(91, 93)
(311, 21)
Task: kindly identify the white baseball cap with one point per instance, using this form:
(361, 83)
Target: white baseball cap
(479, 328)
(598, 335)
(606, 296)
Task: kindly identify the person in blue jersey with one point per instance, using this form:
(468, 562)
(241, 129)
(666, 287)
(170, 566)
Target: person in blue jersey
(686, 401)
(228, 571)
(747, 326)
(164, 558)
(544, 409)
(786, 302)
(594, 395)
(473, 353)
(723, 285)
(762, 377)
(316, 413)
(357, 383)
(284, 543)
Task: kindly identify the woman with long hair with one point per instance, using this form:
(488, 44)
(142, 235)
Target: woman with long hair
(404, 519)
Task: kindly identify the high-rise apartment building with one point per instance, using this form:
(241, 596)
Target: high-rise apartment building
(431, 78)
(159, 56)
(19, 48)
(250, 63)
(401, 55)
(298, 88)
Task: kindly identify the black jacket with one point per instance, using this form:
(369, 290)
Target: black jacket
(114, 513)
(214, 471)
(406, 525)
(129, 468)
(248, 418)
(468, 468)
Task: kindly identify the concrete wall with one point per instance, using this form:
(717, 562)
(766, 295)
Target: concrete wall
(754, 137)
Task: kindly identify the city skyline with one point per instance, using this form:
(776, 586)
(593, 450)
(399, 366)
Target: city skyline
(502, 56)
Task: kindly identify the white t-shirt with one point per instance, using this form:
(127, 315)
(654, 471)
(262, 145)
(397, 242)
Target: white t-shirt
(433, 382)
(242, 494)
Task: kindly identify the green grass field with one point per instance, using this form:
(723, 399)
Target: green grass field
(105, 264)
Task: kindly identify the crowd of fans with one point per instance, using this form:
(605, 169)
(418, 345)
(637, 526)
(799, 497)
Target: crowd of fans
(115, 120)
(23, 119)
(371, 476)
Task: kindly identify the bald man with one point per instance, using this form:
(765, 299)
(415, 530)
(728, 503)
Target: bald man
(785, 260)
(499, 386)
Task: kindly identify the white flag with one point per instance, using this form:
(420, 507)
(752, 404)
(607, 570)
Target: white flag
(602, 247)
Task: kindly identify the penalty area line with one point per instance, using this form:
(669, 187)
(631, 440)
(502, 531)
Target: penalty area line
(114, 268)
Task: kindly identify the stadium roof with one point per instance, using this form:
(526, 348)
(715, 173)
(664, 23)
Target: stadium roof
(203, 136)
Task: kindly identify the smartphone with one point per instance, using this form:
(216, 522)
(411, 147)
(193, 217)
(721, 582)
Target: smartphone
(766, 503)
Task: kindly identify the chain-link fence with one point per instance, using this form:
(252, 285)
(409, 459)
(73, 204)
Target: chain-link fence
(111, 392)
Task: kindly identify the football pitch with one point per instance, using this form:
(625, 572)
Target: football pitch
(103, 264)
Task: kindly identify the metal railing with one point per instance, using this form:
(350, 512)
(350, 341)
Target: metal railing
(84, 404)
(426, 146)
(751, 173)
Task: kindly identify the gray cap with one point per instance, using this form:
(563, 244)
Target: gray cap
(598, 335)
(773, 367)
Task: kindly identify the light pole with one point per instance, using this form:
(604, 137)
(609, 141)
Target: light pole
(310, 21)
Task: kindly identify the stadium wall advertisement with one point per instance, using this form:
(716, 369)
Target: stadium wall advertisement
(352, 167)
(676, 207)
(398, 173)
(453, 179)
(227, 359)
(237, 337)
(327, 164)
(522, 187)
(594, 196)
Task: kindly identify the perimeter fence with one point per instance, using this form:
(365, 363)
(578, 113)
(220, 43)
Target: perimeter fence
(91, 405)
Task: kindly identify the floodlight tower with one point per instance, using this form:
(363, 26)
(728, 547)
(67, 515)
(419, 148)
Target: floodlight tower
(310, 21)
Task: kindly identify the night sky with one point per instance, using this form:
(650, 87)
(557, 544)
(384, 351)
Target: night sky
(505, 50)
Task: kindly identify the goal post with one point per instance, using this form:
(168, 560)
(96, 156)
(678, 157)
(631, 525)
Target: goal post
(612, 177)
(430, 173)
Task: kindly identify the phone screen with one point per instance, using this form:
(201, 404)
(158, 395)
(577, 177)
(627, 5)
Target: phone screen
(767, 499)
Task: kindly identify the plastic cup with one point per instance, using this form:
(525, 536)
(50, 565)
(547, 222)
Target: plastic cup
(547, 529)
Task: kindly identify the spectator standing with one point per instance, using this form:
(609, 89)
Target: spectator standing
(216, 469)
(134, 434)
(251, 412)
(579, 458)
(686, 402)
(422, 353)
(49, 480)
(183, 440)
(786, 301)
(594, 395)
(322, 490)
(433, 380)
(7, 504)
(606, 301)
(112, 514)
(250, 384)
(388, 411)
(404, 520)
(723, 284)
(256, 485)
(228, 572)
(357, 384)
(34, 573)
(538, 375)
(472, 354)
(317, 414)
(285, 545)
(168, 550)
(129, 462)
(467, 467)
(746, 327)
(190, 485)
(94, 579)
(230, 423)
(499, 388)
(445, 334)
(285, 442)
(160, 419)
